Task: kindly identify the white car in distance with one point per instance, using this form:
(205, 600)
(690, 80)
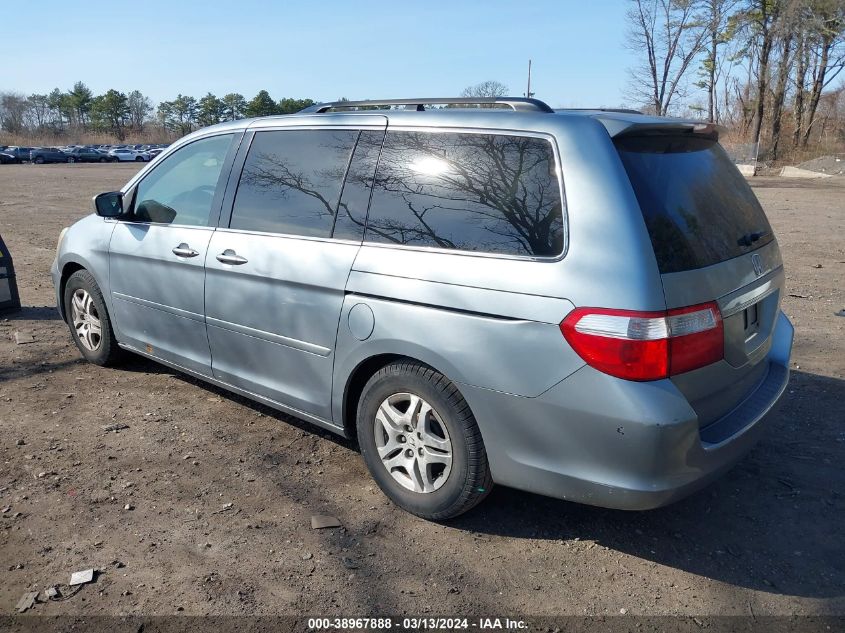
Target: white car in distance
(130, 155)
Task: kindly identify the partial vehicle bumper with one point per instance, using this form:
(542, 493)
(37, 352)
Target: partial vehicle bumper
(599, 440)
(56, 274)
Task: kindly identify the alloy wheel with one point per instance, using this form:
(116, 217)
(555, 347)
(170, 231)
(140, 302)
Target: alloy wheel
(86, 320)
(413, 443)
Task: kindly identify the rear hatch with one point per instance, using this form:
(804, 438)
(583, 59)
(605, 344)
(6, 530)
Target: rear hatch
(712, 242)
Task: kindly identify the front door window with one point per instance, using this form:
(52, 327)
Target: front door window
(181, 189)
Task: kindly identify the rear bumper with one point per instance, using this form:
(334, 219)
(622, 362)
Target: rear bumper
(613, 443)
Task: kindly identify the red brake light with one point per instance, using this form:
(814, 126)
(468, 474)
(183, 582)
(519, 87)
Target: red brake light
(646, 345)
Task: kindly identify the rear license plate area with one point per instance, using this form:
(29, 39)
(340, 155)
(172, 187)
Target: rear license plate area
(751, 319)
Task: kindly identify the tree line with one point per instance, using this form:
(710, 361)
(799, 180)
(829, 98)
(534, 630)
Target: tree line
(118, 114)
(185, 113)
(79, 110)
(764, 68)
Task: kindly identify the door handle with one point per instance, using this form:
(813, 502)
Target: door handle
(231, 257)
(183, 250)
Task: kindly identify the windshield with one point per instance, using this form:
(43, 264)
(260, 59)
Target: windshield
(698, 208)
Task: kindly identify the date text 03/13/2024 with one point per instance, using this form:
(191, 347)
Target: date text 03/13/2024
(424, 623)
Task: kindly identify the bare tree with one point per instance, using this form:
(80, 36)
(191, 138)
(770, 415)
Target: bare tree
(826, 36)
(38, 111)
(489, 88)
(763, 17)
(670, 34)
(785, 58)
(719, 24)
(802, 61)
(139, 108)
(13, 110)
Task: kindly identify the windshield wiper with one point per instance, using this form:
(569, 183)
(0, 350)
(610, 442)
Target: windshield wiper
(749, 238)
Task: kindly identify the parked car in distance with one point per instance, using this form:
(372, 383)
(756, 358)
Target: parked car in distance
(22, 154)
(88, 155)
(155, 151)
(419, 278)
(8, 159)
(126, 154)
(41, 155)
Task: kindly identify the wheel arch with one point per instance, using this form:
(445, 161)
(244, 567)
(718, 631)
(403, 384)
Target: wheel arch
(354, 387)
(358, 378)
(67, 270)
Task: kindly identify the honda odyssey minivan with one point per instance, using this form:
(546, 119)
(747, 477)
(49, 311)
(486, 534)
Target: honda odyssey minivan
(578, 303)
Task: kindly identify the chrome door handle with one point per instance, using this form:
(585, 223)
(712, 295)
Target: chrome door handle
(183, 250)
(231, 257)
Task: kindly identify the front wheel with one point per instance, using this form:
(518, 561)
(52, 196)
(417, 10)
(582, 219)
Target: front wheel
(88, 320)
(102, 160)
(71, 159)
(421, 442)
(39, 160)
(139, 159)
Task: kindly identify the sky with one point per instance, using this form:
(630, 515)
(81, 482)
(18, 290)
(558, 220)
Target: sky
(322, 50)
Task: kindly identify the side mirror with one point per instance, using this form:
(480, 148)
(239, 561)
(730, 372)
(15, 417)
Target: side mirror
(109, 205)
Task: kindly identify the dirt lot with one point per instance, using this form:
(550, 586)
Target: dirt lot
(222, 489)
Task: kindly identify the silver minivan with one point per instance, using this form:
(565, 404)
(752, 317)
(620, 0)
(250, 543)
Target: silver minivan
(579, 303)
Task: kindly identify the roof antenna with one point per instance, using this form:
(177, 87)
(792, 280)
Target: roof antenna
(528, 92)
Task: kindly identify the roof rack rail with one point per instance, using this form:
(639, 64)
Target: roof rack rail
(515, 103)
(621, 110)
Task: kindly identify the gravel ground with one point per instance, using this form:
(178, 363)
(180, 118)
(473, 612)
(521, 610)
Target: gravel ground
(220, 491)
(833, 165)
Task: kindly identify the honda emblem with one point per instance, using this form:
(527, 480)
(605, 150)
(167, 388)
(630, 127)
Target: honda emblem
(757, 263)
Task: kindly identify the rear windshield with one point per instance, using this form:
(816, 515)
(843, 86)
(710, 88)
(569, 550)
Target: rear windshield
(698, 208)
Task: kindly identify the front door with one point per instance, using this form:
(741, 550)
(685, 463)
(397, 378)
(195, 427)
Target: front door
(277, 271)
(157, 254)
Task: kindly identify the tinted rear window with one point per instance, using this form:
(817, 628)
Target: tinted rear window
(698, 208)
(492, 193)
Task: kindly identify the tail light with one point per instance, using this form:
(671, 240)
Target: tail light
(646, 345)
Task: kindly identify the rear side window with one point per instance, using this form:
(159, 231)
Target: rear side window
(291, 181)
(352, 210)
(490, 193)
(698, 208)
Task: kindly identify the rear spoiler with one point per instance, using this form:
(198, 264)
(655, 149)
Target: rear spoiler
(621, 126)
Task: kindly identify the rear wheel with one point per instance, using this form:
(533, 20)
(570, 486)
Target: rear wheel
(421, 442)
(103, 160)
(71, 159)
(139, 159)
(39, 160)
(88, 320)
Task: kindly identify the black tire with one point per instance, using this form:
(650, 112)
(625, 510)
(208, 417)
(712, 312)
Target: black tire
(71, 159)
(469, 480)
(108, 352)
(139, 159)
(39, 160)
(103, 160)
